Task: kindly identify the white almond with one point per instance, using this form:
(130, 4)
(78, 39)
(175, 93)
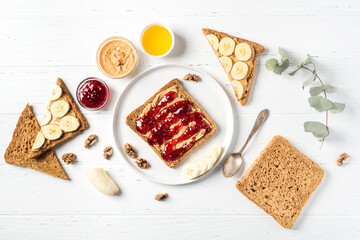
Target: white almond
(243, 51)
(51, 131)
(56, 93)
(226, 46)
(227, 63)
(239, 70)
(47, 118)
(59, 108)
(102, 181)
(69, 123)
(214, 41)
(39, 141)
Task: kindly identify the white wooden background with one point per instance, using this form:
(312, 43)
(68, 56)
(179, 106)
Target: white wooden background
(43, 40)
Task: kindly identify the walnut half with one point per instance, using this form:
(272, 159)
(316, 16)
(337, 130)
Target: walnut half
(191, 77)
(91, 140)
(342, 159)
(130, 151)
(142, 163)
(68, 157)
(108, 152)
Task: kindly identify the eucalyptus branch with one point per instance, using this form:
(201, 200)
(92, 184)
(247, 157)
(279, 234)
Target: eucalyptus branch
(319, 103)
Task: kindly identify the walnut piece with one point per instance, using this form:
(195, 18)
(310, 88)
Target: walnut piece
(108, 152)
(142, 163)
(130, 151)
(161, 196)
(342, 159)
(91, 140)
(192, 77)
(68, 157)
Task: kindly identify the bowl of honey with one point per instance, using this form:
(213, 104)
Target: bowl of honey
(157, 40)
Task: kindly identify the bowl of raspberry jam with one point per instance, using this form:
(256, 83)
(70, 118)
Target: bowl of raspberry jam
(93, 93)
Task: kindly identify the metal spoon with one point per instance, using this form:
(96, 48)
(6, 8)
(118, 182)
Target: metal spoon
(234, 161)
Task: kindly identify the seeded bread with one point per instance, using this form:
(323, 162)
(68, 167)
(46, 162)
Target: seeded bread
(23, 138)
(133, 116)
(68, 135)
(258, 49)
(281, 181)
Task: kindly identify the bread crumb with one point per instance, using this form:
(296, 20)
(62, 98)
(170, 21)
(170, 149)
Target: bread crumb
(342, 159)
(161, 196)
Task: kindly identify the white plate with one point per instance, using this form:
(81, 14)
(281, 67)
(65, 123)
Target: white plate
(207, 92)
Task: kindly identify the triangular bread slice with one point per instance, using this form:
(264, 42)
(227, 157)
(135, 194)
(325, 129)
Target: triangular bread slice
(23, 138)
(240, 71)
(60, 94)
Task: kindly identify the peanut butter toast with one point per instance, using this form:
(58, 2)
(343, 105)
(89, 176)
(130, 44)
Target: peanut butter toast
(23, 137)
(61, 122)
(281, 181)
(238, 59)
(172, 123)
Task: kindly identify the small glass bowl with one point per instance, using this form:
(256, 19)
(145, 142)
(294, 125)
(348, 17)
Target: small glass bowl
(82, 83)
(167, 28)
(112, 39)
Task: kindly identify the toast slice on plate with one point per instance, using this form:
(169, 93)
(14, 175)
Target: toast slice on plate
(61, 122)
(281, 181)
(23, 137)
(237, 56)
(172, 123)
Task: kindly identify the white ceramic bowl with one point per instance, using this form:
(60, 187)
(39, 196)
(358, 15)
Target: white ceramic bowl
(167, 28)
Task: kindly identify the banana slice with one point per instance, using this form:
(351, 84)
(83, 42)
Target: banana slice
(214, 41)
(69, 123)
(203, 164)
(51, 131)
(56, 93)
(47, 118)
(227, 63)
(226, 46)
(59, 108)
(39, 141)
(243, 51)
(239, 70)
(102, 181)
(238, 88)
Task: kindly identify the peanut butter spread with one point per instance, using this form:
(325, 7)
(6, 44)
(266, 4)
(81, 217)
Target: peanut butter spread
(117, 58)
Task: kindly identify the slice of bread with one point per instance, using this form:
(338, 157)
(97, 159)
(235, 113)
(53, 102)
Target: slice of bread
(23, 137)
(67, 135)
(173, 85)
(248, 80)
(281, 181)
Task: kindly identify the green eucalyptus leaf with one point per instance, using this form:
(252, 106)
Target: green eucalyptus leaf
(309, 81)
(271, 64)
(316, 90)
(318, 129)
(320, 103)
(330, 89)
(337, 107)
(281, 68)
(295, 71)
(308, 60)
(283, 54)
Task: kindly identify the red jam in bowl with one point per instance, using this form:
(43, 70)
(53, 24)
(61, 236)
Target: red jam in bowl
(93, 93)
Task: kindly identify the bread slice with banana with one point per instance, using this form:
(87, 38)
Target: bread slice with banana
(62, 120)
(237, 56)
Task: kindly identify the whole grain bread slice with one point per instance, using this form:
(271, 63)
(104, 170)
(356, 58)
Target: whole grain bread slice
(68, 135)
(134, 115)
(258, 49)
(281, 181)
(23, 138)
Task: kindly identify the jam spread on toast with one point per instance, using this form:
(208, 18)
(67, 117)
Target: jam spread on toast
(162, 123)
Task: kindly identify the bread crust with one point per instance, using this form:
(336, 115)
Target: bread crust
(317, 176)
(134, 115)
(66, 136)
(24, 135)
(258, 49)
